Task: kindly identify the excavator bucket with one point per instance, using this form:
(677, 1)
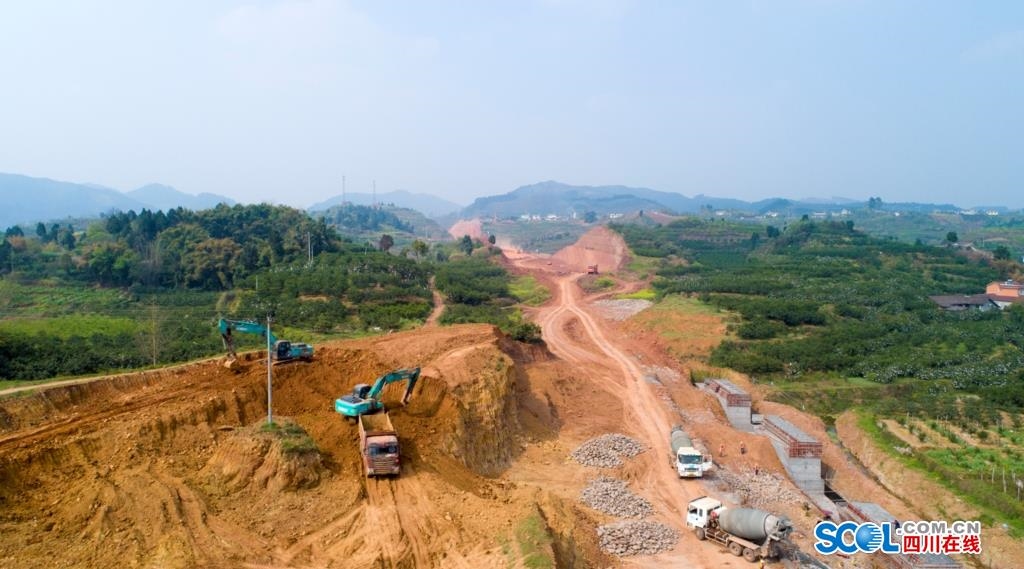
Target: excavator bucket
(231, 363)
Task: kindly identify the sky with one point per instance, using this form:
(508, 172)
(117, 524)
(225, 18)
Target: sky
(275, 101)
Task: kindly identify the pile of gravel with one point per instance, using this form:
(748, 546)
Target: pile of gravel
(758, 490)
(613, 497)
(605, 451)
(622, 309)
(636, 538)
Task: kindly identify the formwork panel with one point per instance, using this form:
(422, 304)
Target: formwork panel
(729, 392)
(798, 443)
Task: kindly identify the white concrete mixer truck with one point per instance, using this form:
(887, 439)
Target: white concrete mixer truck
(753, 534)
(688, 461)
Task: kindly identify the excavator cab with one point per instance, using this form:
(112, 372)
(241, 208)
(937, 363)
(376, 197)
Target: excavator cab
(361, 390)
(283, 350)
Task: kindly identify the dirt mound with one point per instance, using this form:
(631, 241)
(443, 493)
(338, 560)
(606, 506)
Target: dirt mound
(278, 459)
(599, 246)
(471, 227)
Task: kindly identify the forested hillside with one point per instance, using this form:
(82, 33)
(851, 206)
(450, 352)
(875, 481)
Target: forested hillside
(362, 222)
(146, 288)
(179, 249)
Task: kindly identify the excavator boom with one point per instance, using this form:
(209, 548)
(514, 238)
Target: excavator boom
(282, 350)
(357, 403)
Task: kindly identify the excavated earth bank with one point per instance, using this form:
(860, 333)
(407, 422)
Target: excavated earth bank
(173, 468)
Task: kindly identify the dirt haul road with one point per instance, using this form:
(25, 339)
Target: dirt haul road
(644, 414)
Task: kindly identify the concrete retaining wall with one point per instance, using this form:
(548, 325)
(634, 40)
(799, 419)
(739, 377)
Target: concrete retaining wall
(735, 402)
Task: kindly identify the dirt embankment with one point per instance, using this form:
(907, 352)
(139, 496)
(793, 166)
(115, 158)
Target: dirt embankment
(471, 227)
(173, 470)
(599, 246)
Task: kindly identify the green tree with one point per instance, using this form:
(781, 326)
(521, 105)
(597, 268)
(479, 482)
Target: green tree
(41, 231)
(772, 231)
(491, 239)
(952, 237)
(420, 248)
(466, 244)
(590, 217)
(211, 264)
(386, 242)
(66, 238)
(1001, 253)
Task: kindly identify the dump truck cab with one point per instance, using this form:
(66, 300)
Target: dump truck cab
(378, 443)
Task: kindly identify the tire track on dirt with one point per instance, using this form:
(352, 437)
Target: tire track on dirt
(644, 412)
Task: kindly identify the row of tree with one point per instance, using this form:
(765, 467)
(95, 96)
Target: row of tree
(821, 298)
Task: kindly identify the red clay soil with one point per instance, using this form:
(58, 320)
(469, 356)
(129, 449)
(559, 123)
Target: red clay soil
(172, 469)
(471, 227)
(599, 246)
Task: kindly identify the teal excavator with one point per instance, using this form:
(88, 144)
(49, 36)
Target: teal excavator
(281, 350)
(365, 399)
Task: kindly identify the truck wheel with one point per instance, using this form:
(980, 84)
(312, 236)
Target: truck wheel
(735, 548)
(699, 532)
(750, 555)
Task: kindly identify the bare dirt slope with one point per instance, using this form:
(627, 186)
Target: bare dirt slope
(471, 227)
(599, 246)
(172, 470)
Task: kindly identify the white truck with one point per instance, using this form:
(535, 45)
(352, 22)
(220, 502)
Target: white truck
(689, 462)
(747, 532)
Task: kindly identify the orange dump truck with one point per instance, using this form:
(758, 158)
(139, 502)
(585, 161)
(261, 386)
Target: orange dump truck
(378, 443)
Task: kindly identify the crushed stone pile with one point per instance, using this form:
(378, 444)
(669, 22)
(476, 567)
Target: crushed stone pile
(613, 497)
(759, 490)
(636, 538)
(619, 310)
(606, 451)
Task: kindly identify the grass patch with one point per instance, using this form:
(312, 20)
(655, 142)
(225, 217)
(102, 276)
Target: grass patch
(294, 439)
(592, 283)
(643, 265)
(532, 543)
(529, 291)
(63, 327)
(642, 294)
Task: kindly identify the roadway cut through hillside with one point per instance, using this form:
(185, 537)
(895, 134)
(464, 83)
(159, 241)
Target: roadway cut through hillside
(171, 468)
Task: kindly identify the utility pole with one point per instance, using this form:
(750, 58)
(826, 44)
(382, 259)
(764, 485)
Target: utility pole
(343, 201)
(270, 387)
(309, 248)
(374, 204)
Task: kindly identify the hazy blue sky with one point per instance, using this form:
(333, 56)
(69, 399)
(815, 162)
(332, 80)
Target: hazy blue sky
(276, 100)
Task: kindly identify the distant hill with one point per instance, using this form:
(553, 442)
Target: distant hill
(430, 205)
(365, 223)
(159, 196)
(562, 199)
(41, 199)
(28, 200)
